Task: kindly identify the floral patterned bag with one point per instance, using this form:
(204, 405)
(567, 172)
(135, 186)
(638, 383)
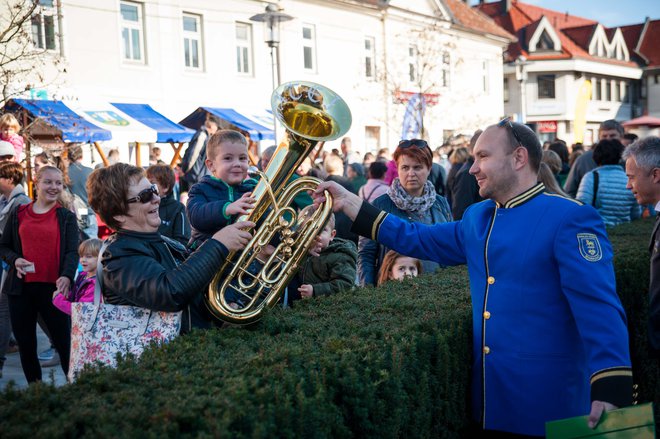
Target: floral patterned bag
(100, 331)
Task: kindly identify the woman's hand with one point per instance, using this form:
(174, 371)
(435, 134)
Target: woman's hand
(63, 284)
(235, 236)
(342, 199)
(23, 266)
(242, 206)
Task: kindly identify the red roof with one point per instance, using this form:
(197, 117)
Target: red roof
(648, 121)
(581, 35)
(574, 32)
(474, 20)
(649, 47)
(631, 35)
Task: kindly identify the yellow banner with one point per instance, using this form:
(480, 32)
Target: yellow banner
(583, 97)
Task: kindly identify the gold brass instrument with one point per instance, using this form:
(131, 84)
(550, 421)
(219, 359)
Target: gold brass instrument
(310, 113)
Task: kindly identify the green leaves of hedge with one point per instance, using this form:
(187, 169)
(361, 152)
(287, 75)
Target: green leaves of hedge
(388, 362)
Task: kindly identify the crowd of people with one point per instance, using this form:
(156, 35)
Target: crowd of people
(527, 220)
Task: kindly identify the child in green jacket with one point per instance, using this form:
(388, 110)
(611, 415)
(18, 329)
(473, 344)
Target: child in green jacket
(333, 270)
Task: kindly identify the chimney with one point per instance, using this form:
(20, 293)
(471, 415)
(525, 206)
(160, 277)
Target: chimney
(506, 6)
(481, 2)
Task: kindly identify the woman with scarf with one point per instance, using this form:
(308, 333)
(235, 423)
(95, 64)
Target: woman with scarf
(410, 196)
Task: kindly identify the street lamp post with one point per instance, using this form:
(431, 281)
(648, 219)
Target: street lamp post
(521, 76)
(273, 17)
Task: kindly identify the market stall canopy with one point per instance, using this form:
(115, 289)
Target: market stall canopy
(166, 130)
(648, 121)
(53, 119)
(93, 121)
(259, 125)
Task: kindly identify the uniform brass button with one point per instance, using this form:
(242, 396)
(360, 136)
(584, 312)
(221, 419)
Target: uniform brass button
(486, 315)
(486, 350)
(491, 280)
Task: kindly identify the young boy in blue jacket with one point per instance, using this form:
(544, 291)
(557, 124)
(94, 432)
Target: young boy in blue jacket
(218, 199)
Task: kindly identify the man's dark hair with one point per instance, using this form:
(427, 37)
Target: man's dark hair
(611, 124)
(608, 152)
(377, 169)
(528, 140)
(74, 152)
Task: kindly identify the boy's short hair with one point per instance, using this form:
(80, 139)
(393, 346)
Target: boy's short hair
(331, 222)
(12, 171)
(91, 246)
(221, 136)
(164, 175)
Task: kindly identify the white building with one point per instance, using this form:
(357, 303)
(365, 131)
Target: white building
(178, 55)
(547, 69)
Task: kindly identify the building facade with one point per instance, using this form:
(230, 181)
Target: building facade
(565, 74)
(380, 56)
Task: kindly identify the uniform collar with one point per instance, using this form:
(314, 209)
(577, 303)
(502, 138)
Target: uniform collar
(530, 193)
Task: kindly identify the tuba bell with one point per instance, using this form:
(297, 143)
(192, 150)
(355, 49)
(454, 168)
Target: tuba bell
(310, 113)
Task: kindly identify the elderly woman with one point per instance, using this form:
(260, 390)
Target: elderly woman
(410, 196)
(140, 266)
(605, 187)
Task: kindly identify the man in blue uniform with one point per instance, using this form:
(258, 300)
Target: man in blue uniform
(550, 338)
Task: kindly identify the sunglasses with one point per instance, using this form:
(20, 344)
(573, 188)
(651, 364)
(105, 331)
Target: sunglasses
(419, 143)
(506, 122)
(145, 196)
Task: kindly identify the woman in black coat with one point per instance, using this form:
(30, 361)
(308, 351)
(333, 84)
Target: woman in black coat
(142, 268)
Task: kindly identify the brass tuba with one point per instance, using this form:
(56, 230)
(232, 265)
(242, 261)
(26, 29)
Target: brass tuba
(310, 113)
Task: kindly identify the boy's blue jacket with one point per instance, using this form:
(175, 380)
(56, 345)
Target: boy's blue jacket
(207, 201)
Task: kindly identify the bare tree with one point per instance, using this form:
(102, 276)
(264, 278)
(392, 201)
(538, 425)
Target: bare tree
(22, 62)
(416, 73)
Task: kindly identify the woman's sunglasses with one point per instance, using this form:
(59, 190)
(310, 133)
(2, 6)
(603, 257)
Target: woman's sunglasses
(419, 143)
(506, 122)
(145, 196)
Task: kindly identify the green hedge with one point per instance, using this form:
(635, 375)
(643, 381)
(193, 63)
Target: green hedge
(390, 362)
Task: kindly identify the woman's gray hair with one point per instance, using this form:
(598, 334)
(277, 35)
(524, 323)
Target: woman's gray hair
(645, 152)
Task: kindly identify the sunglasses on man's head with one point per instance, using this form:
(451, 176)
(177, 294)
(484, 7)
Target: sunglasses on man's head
(506, 122)
(145, 196)
(419, 143)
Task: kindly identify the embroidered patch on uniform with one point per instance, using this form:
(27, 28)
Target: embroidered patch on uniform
(589, 247)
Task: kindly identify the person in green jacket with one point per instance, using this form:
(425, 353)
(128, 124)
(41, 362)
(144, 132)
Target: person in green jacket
(333, 270)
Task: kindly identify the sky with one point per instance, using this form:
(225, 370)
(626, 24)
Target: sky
(610, 13)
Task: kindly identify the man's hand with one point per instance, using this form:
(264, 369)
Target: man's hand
(234, 236)
(306, 291)
(597, 409)
(342, 199)
(242, 206)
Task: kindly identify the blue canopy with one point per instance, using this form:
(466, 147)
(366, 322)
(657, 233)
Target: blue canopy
(256, 130)
(167, 130)
(60, 119)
